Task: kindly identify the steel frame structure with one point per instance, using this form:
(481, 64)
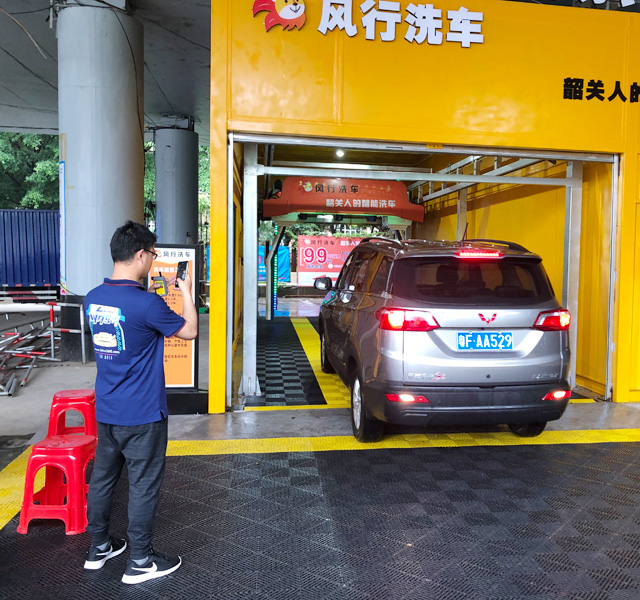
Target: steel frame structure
(249, 385)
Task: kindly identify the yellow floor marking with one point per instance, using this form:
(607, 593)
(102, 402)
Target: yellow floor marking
(435, 440)
(582, 400)
(12, 486)
(12, 476)
(334, 391)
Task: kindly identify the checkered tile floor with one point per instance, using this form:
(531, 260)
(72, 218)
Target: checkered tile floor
(516, 522)
(285, 375)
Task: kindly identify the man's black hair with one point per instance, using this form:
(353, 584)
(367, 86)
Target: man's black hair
(130, 238)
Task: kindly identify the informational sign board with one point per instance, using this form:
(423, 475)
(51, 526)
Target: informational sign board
(180, 356)
(322, 256)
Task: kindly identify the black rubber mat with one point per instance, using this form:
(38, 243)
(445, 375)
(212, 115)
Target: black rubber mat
(315, 321)
(498, 523)
(11, 446)
(285, 375)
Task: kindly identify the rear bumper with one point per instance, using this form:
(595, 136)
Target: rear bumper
(466, 405)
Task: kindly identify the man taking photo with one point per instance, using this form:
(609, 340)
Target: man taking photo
(128, 327)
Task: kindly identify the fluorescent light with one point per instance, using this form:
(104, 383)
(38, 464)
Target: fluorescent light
(339, 153)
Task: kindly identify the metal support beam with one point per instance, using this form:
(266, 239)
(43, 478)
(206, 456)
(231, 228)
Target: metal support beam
(231, 237)
(349, 166)
(412, 176)
(462, 213)
(352, 144)
(571, 270)
(613, 236)
(269, 263)
(249, 385)
(469, 160)
(495, 176)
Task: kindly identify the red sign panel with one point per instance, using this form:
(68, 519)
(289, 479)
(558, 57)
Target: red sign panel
(322, 256)
(343, 196)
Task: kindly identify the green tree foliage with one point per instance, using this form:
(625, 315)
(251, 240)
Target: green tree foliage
(28, 171)
(204, 184)
(149, 182)
(29, 174)
(204, 192)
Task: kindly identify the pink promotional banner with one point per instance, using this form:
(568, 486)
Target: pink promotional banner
(322, 256)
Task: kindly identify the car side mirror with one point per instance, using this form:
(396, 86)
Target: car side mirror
(322, 283)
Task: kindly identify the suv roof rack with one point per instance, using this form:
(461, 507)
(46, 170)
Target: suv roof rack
(510, 245)
(379, 238)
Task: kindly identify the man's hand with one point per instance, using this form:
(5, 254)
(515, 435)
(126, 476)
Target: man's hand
(183, 284)
(189, 312)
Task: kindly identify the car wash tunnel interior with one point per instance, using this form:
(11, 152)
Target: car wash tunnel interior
(557, 205)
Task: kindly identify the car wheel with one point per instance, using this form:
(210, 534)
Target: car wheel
(325, 365)
(365, 429)
(527, 429)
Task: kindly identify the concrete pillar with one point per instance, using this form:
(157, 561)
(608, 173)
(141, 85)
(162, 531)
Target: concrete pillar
(176, 186)
(100, 107)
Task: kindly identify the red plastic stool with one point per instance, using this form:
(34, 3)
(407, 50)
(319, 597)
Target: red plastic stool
(83, 401)
(66, 456)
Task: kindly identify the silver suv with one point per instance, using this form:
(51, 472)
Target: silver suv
(446, 333)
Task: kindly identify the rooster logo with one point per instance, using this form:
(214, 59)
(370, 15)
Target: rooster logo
(288, 13)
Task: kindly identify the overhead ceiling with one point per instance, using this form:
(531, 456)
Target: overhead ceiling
(176, 75)
(176, 53)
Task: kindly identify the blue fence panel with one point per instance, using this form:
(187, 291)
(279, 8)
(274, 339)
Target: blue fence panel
(284, 264)
(29, 247)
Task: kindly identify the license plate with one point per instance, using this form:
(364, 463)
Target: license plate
(492, 341)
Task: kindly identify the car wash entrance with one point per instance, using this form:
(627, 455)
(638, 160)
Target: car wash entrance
(545, 201)
(547, 157)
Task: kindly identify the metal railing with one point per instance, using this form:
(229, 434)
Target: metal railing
(23, 350)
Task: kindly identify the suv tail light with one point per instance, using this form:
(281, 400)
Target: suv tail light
(559, 395)
(393, 319)
(553, 320)
(478, 254)
(407, 398)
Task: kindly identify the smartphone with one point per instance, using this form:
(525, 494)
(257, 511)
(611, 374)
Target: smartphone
(183, 269)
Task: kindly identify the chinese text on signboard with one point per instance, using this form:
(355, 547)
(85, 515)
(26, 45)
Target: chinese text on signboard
(425, 22)
(574, 89)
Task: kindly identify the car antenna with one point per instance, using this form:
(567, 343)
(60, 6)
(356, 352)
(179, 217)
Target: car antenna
(464, 235)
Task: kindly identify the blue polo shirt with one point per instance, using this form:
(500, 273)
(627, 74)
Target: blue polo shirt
(128, 327)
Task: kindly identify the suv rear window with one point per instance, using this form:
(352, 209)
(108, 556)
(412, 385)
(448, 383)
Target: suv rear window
(450, 280)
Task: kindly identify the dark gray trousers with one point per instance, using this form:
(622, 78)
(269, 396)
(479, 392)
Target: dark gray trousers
(143, 448)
